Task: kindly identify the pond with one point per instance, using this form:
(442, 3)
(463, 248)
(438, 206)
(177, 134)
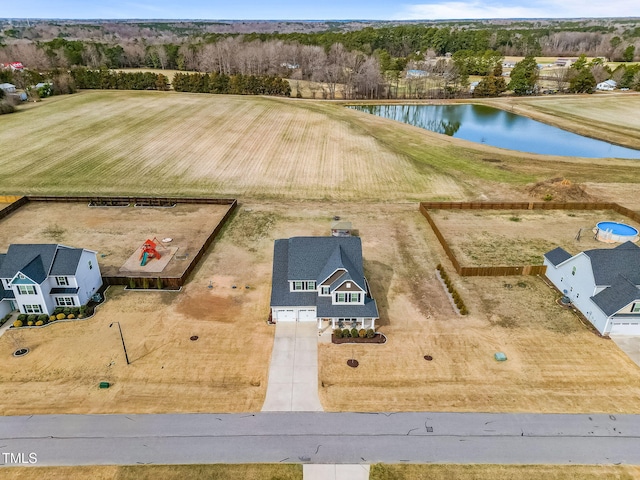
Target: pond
(491, 126)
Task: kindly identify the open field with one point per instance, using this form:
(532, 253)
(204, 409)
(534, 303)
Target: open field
(519, 237)
(119, 142)
(165, 472)
(505, 472)
(115, 233)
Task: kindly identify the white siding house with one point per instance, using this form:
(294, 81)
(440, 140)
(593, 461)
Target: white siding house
(38, 278)
(607, 85)
(320, 279)
(604, 284)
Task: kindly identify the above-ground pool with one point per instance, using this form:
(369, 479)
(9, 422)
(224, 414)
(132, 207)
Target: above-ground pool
(614, 232)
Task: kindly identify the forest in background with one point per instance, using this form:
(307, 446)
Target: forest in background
(369, 59)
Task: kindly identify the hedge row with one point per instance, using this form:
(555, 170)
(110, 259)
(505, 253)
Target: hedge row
(452, 290)
(354, 333)
(230, 84)
(60, 313)
(109, 80)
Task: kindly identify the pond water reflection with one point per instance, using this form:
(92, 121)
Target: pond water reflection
(491, 126)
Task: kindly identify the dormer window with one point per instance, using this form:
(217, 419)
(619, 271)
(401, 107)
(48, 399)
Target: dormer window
(324, 291)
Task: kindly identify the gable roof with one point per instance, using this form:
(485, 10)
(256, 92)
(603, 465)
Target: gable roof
(557, 256)
(37, 261)
(608, 263)
(4, 293)
(620, 294)
(310, 257)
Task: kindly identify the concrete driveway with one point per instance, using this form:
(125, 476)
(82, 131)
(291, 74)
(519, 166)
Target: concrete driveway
(293, 371)
(629, 345)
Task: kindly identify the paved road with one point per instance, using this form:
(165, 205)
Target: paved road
(323, 438)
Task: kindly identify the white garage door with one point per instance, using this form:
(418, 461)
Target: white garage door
(285, 315)
(625, 328)
(307, 315)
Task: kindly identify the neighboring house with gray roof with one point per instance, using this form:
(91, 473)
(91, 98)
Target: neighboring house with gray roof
(604, 284)
(321, 279)
(37, 278)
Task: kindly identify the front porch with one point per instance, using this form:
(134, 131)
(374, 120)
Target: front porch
(358, 322)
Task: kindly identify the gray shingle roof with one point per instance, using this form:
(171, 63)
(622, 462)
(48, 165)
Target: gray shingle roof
(66, 261)
(326, 310)
(4, 293)
(557, 256)
(37, 261)
(309, 258)
(620, 294)
(623, 260)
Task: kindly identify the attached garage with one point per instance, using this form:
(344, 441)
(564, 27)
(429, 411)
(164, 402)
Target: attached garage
(284, 315)
(625, 328)
(307, 315)
(294, 314)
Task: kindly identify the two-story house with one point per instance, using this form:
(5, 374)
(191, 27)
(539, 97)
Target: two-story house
(39, 278)
(604, 284)
(321, 279)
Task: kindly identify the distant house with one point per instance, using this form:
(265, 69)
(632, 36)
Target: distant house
(604, 284)
(320, 279)
(8, 87)
(416, 73)
(14, 66)
(564, 62)
(607, 85)
(37, 278)
(508, 64)
(472, 86)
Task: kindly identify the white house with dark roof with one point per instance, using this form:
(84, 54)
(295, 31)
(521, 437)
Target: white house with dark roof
(321, 279)
(604, 284)
(39, 278)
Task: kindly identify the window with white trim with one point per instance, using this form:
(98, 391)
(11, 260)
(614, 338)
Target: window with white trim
(65, 302)
(341, 297)
(62, 281)
(635, 308)
(324, 291)
(304, 285)
(355, 297)
(32, 308)
(26, 289)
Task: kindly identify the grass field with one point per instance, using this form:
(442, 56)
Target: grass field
(504, 472)
(164, 472)
(519, 237)
(193, 144)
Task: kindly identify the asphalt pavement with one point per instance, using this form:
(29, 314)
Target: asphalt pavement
(321, 438)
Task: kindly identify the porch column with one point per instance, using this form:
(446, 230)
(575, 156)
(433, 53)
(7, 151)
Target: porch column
(362, 323)
(333, 323)
(373, 324)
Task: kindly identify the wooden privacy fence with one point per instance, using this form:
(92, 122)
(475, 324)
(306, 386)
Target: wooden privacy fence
(141, 280)
(498, 271)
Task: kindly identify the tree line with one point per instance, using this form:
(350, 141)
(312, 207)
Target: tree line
(107, 79)
(230, 84)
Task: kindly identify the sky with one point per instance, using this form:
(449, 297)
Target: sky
(319, 10)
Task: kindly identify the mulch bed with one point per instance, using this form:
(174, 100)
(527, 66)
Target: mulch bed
(379, 338)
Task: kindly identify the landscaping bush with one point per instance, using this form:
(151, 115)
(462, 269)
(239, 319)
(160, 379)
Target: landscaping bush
(75, 310)
(82, 310)
(371, 333)
(43, 317)
(464, 311)
(52, 318)
(354, 333)
(66, 310)
(22, 317)
(32, 318)
(17, 323)
(39, 323)
(346, 333)
(30, 323)
(337, 333)
(362, 333)
(71, 316)
(60, 316)
(58, 310)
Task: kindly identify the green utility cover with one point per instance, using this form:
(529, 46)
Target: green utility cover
(499, 356)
